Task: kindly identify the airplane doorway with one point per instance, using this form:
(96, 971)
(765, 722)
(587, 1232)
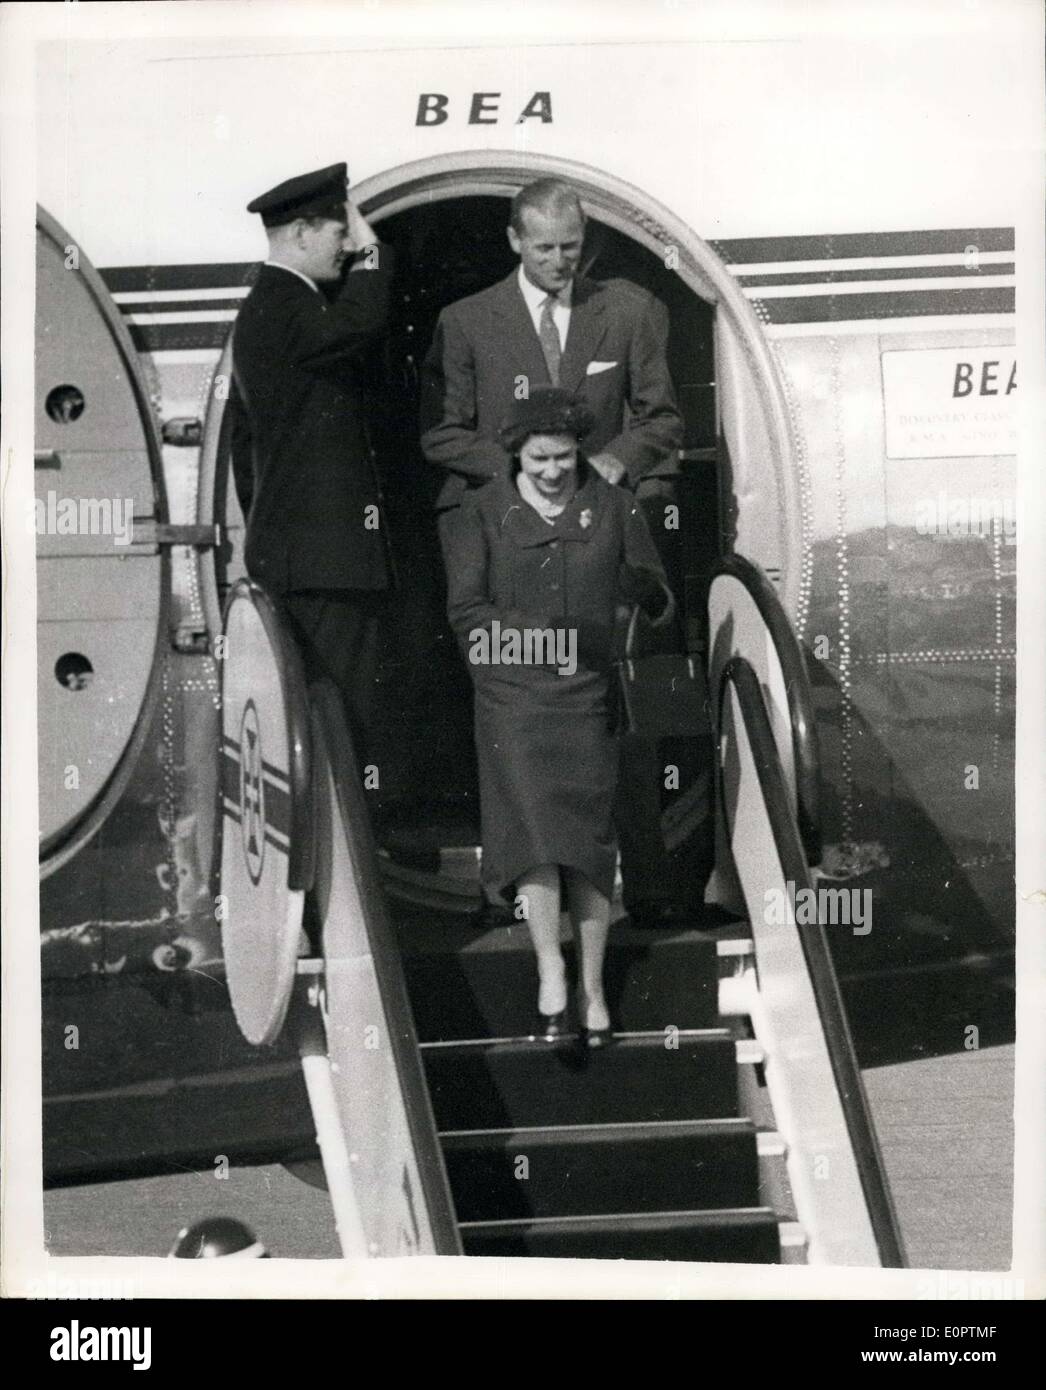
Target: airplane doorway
(445, 251)
(741, 484)
(764, 510)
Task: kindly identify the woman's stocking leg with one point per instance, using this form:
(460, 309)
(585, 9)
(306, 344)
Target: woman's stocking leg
(590, 914)
(539, 889)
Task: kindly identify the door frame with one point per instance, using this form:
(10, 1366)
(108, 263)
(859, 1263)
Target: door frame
(643, 219)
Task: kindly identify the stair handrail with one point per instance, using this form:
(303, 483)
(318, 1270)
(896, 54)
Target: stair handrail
(790, 655)
(739, 673)
(388, 964)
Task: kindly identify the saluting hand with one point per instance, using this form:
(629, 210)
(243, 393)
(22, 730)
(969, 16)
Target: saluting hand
(361, 233)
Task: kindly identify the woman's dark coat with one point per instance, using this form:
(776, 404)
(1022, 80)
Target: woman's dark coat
(547, 751)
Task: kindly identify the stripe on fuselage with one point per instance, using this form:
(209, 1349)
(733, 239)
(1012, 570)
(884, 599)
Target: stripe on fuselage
(850, 277)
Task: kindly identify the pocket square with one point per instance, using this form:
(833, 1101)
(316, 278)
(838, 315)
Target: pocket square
(594, 367)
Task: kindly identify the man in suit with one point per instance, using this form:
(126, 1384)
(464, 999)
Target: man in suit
(603, 341)
(303, 465)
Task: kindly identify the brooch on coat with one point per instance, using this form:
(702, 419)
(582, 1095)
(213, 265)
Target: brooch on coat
(585, 519)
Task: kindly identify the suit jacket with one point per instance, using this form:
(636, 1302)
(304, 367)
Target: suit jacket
(614, 357)
(302, 461)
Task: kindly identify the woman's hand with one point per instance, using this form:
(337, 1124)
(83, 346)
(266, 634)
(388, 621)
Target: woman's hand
(644, 588)
(595, 642)
(654, 599)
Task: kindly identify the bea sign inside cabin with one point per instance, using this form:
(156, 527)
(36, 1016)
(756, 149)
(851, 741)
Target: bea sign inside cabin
(950, 402)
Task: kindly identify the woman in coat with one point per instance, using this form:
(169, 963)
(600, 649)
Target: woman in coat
(537, 564)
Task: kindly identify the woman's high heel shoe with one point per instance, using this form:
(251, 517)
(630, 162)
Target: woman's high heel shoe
(594, 1037)
(554, 1027)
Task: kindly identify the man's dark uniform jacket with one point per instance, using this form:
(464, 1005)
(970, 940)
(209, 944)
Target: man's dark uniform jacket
(302, 463)
(614, 358)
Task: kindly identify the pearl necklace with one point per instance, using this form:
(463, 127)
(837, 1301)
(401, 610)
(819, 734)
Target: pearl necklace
(547, 510)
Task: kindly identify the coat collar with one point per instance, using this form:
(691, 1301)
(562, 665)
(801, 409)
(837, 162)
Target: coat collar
(534, 298)
(283, 277)
(290, 270)
(579, 522)
(587, 327)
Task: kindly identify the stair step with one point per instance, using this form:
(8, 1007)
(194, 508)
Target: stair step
(468, 983)
(750, 1052)
(736, 948)
(793, 1236)
(587, 1170)
(428, 891)
(535, 1084)
(746, 1235)
(771, 1144)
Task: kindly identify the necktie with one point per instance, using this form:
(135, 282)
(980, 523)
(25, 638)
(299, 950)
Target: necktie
(549, 335)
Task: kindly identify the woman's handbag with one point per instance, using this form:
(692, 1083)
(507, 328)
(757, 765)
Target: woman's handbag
(662, 696)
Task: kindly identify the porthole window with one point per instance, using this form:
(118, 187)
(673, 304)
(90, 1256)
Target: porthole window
(74, 671)
(65, 404)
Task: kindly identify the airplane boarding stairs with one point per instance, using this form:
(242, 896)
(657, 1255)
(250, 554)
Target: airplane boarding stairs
(442, 1125)
(667, 1144)
(725, 1122)
(647, 1149)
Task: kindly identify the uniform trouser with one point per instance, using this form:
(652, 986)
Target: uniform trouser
(446, 521)
(338, 632)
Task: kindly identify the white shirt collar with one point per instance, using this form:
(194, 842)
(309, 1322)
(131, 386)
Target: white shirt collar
(300, 274)
(536, 297)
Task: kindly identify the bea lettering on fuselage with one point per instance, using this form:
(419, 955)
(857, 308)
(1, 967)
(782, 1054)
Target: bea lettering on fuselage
(484, 109)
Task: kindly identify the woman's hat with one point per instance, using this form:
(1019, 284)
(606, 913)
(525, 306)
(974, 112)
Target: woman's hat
(546, 410)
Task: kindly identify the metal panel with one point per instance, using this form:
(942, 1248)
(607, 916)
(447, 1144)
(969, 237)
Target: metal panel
(759, 520)
(102, 601)
(908, 596)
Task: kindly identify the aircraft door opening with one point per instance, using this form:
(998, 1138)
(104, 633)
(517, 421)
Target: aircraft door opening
(760, 505)
(446, 219)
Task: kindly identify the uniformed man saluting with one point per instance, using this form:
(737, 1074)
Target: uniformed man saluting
(303, 466)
